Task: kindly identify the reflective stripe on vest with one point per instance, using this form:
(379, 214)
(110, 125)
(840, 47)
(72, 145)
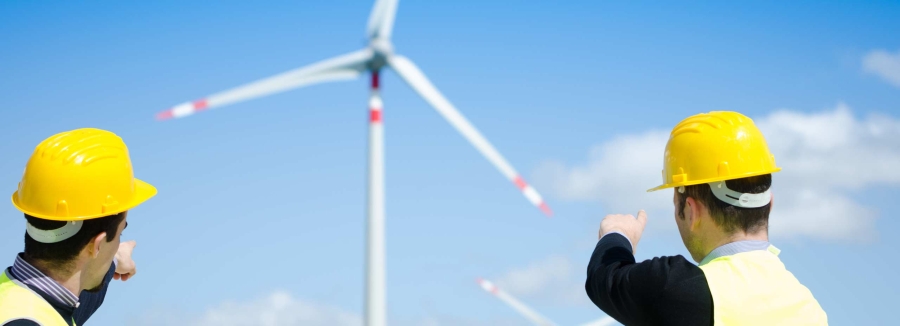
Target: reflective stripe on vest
(754, 288)
(17, 301)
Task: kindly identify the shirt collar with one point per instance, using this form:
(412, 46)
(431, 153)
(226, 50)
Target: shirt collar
(737, 247)
(27, 274)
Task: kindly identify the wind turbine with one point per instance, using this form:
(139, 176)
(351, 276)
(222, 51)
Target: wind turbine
(377, 55)
(529, 313)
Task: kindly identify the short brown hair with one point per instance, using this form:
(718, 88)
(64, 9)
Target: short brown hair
(731, 218)
(61, 253)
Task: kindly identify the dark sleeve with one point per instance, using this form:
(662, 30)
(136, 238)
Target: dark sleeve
(21, 322)
(90, 301)
(663, 290)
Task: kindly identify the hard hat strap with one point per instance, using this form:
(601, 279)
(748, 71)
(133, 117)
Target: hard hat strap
(54, 236)
(739, 199)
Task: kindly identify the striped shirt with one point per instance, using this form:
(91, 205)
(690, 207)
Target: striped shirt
(74, 309)
(25, 273)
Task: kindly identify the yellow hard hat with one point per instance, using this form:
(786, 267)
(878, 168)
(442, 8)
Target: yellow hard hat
(78, 175)
(715, 146)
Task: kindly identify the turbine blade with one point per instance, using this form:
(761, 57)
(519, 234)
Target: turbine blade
(381, 20)
(417, 80)
(605, 321)
(520, 307)
(343, 67)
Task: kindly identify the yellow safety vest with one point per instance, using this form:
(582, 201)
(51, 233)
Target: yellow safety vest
(754, 288)
(17, 301)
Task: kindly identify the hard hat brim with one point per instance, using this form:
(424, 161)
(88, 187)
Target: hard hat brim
(697, 182)
(142, 192)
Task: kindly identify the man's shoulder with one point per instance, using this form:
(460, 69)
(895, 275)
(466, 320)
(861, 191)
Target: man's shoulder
(668, 263)
(677, 273)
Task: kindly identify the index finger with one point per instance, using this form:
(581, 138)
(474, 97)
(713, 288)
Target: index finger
(642, 217)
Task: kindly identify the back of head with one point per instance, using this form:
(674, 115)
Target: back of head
(728, 217)
(59, 255)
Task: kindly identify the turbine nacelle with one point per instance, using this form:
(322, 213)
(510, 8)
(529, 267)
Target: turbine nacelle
(382, 49)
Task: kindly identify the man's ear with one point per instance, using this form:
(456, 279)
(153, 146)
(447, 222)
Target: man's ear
(94, 245)
(692, 211)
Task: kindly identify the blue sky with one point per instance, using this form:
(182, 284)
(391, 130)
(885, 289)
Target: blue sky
(261, 204)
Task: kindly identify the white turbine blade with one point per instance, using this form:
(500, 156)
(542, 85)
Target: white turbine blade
(417, 80)
(381, 20)
(520, 307)
(343, 67)
(605, 321)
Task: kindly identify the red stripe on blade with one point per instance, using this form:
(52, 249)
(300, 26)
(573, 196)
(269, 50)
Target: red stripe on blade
(200, 104)
(165, 115)
(546, 209)
(520, 183)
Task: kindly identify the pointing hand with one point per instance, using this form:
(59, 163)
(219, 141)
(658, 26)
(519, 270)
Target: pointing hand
(628, 225)
(125, 269)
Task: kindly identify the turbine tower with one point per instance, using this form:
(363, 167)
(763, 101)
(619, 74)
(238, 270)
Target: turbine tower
(377, 55)
(527, 312)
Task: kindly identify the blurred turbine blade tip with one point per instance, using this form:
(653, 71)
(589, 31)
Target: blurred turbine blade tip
(417, 80)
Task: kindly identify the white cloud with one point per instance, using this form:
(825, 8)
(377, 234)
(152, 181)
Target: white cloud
(618, 173)
(884, 64)
(536, 277)
(276, 309)
(826, 158)
(554, 279)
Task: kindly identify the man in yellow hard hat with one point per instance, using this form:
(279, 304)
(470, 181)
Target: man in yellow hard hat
(76, 192)
(721, 170)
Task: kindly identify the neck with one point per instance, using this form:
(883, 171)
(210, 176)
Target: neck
(725, 238)
(68, 279)
(741, 236)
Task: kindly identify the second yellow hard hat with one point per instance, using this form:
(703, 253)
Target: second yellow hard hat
(78, 175)
(712, 147)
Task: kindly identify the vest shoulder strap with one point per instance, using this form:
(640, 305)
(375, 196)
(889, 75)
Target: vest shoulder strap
(17, 301)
